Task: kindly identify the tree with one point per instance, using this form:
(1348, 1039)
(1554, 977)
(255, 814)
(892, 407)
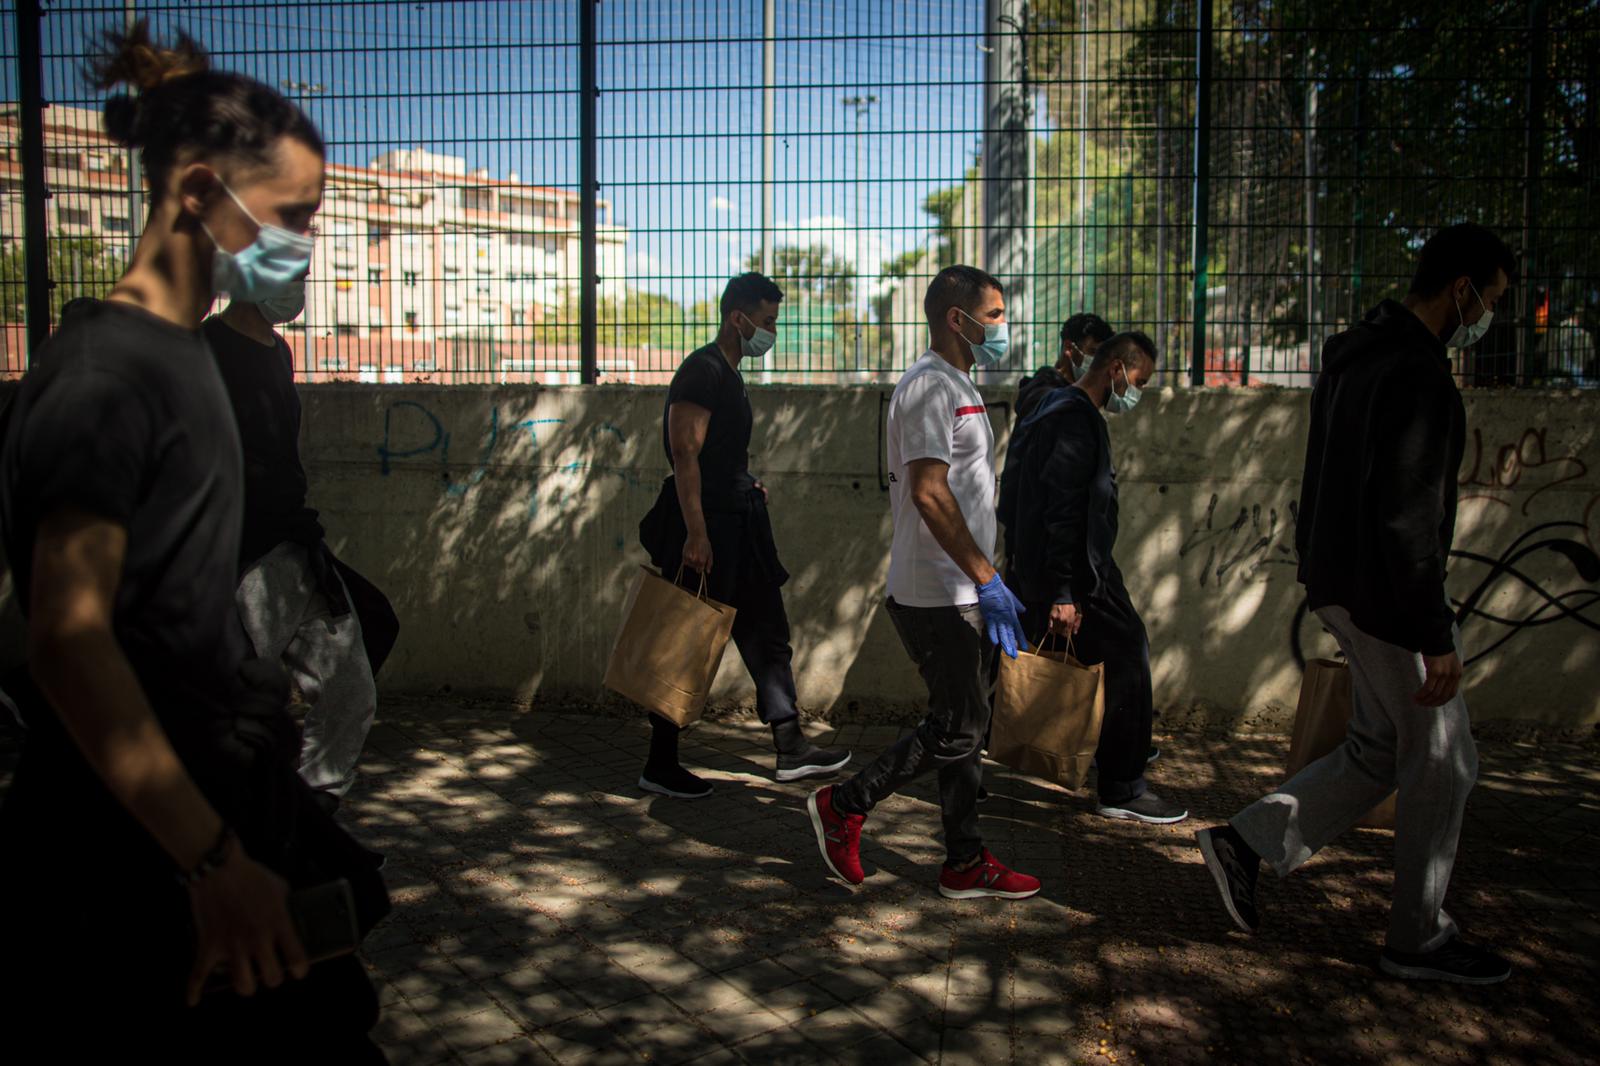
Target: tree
(810, 273)
(79, 266)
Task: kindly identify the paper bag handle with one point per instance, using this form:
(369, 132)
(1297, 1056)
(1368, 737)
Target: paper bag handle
(701, 595)
(1048, 633)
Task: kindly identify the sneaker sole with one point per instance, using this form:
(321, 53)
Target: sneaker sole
(662, 790)
(1213, 864)
(1123, 814)
(822, 838)
(799, 773)
(1428, 973)
(981, 893)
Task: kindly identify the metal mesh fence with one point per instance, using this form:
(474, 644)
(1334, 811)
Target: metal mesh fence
(1239, 194)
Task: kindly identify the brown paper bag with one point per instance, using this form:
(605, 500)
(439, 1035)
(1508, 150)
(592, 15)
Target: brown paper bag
(1320, 723)
(669, 647)
(1047, 713)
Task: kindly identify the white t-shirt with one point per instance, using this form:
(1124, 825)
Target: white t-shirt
(937, 413)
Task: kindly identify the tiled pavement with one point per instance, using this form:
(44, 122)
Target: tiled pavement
(546, 910)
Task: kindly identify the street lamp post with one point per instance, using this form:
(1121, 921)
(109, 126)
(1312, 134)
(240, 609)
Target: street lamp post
(861, 105)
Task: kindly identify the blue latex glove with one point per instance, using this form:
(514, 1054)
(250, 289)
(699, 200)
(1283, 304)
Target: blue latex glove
(1000, 608)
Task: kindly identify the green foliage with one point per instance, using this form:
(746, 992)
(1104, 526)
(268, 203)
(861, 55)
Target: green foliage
(79, 266)
(810, 273)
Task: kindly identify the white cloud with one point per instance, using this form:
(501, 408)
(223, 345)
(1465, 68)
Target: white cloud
(865, 249)
(730, 237)
(643, 264)
(724, 205)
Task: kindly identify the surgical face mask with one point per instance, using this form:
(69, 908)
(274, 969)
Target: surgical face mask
(996, 337)
(273, 265)
(759, 343)
(1465, 336)
(1121, 405)
(284, 308)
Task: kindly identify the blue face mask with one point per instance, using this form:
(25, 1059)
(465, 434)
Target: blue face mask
(996, 337)
(273, 266)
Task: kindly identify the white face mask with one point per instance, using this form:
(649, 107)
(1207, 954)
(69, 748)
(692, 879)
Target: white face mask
(1465, 336)
(759, 343)
(285, 308)
(1127, 401)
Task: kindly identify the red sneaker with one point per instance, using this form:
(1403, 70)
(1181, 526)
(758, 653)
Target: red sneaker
(986, 877)
(838, 836)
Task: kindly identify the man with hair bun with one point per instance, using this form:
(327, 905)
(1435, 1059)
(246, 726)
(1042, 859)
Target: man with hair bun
(156, 823)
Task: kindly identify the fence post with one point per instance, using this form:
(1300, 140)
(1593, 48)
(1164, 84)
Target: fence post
(1202, 190)
(36, 254)
(589, 180)
(1533, 162)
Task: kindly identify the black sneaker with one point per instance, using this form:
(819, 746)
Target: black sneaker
(1236, 868)
(811, 761)
(1155, 753)
(1455, 961)
(674, 781)
(1149, 808)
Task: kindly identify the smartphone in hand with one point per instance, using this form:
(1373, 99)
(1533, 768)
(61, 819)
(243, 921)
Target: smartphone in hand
(324, 918)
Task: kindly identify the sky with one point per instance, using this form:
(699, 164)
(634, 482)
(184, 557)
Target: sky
(679, 110)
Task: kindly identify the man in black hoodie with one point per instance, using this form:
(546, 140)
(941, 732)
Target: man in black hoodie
(1058, 501)
(1377, 514)
(1081, 338)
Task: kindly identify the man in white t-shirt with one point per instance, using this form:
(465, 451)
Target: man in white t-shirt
(947, 602)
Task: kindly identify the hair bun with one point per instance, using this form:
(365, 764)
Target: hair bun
(136, 59)
(122, 119)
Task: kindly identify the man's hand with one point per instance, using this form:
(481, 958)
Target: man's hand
(764, 497)
(1444, 677)
(697, 553)
(1065, 619)
(241, 920)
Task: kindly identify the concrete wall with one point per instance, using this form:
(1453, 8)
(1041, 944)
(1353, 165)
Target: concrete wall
(504, 524)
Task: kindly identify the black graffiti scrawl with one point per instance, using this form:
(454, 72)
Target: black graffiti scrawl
(1254, 539)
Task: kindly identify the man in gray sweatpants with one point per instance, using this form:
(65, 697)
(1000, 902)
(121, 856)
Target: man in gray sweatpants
(1377, 516)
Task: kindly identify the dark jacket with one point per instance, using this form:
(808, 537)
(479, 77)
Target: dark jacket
(1034, 388)
(1058, 501)
(1378, 499)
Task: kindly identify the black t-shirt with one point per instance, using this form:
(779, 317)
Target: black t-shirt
(260, 383)
(706, 380)
(125, 417)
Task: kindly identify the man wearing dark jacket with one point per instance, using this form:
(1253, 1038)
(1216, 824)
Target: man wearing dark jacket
(1058, 500)
(1081, 338)
(1377, 514)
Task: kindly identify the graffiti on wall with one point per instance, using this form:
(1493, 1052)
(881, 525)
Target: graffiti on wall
(1256, 538)
(415, 434)
(1546, 571)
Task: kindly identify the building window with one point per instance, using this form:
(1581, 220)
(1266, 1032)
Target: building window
(411, 321)
(518, 317)
(374, 276)
(72, 216)
(411, 279)
(114, 223)
(377, 234)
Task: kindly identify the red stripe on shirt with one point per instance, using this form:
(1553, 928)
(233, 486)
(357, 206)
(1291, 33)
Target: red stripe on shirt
(978, 410)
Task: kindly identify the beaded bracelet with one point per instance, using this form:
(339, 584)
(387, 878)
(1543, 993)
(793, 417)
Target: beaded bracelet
(211, 860)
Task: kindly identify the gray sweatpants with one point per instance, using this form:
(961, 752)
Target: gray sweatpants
(289, 619)
(1427, 752)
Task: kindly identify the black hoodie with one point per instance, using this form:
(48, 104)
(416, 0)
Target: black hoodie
(1035, 387)
(1378, 499)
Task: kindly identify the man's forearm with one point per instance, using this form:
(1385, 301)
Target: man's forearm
(686, 476)
(948, 525)
(94, 691)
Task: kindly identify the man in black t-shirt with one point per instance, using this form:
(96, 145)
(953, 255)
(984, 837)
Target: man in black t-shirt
(298, 604)
(711, 518)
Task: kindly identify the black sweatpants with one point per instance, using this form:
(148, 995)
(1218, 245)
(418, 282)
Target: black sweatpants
(1113, 634)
